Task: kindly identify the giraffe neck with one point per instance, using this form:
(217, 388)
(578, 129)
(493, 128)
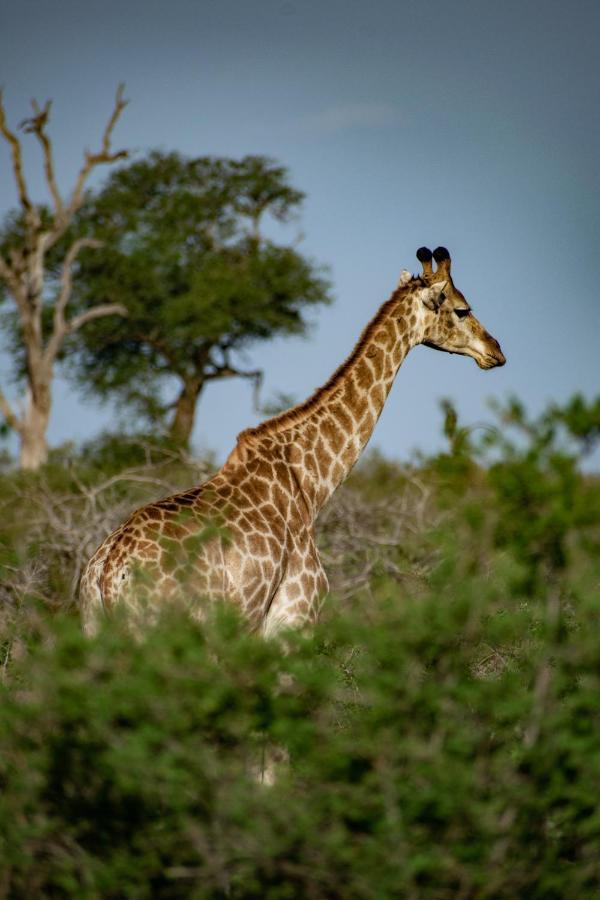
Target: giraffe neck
(322, 439)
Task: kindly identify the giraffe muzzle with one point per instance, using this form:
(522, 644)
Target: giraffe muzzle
(497, 356)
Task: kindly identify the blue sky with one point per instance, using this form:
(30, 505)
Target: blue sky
(469, 124)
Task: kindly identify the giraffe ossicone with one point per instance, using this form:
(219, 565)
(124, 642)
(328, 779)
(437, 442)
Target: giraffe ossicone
(247, 534)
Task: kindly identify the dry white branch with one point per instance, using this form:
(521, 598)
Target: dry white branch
(60, 326)
(37, 125)
(103, 156)
(96, 312)
(17, 160)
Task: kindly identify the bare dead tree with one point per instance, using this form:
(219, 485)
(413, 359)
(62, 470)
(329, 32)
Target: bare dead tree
(25, 274)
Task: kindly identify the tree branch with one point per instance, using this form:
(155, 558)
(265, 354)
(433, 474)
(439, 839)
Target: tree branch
(12, 419)
(229, 371)
(96, 312)
(37, 125)
(60, 327)
(17, 160)
(103, 156)
(66, 278)
(8, 274)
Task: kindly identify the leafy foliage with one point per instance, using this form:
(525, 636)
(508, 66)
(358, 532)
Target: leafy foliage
(130, 769)
(435, 737)
(542, 509)
(183, 251)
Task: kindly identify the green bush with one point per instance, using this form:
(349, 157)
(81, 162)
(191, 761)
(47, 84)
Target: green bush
(436, 737)
(441, 747)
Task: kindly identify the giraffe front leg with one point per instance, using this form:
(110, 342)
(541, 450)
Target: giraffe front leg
(298, 599)
(295, 605)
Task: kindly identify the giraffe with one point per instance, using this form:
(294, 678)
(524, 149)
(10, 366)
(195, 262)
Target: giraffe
(247, 534)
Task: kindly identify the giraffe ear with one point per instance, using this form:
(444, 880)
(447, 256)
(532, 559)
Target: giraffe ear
(424, 255)
(434, 296)
(442, 258)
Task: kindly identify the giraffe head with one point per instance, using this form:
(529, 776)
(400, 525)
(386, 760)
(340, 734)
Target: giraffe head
(449, 322)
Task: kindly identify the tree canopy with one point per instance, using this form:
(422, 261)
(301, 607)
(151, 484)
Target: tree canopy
(183, 250)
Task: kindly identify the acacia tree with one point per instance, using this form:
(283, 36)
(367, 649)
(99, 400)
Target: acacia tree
(37, 262)
(183, 250)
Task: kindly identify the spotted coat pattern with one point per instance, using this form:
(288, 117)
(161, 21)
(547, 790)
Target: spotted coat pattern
(247, 534)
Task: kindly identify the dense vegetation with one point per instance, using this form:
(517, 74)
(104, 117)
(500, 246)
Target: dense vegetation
(184, 249)
(436, 737)
(153, 286)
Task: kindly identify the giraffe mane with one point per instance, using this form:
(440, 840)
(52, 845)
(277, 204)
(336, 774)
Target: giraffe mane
(297, 414)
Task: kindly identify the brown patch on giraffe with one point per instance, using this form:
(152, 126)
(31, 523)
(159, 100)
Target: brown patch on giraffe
(344, 419)
(262, 468)
(145, 545)
(332, 433)
(270, 512)
(274, 545)
(377, 364)
(378, 394)
(187, 500)
(324, 462)
(280, 497)
(255, 493)
(257, 544)
(166, 505)
(308, 583)
(364, 375)
(174, 531)
(267, 568)
(281, 472)
(235, 531)
(245, 520)
(310, 461)
(366, 427)
(337, 473)
(348, 457)
(352, 396)
(293, 590)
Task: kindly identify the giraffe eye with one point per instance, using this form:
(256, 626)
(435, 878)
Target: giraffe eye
(462, 313)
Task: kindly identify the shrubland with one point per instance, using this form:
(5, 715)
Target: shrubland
(434, 737)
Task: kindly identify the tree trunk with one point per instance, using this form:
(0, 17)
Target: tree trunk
(185, 411)
(34, 446)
